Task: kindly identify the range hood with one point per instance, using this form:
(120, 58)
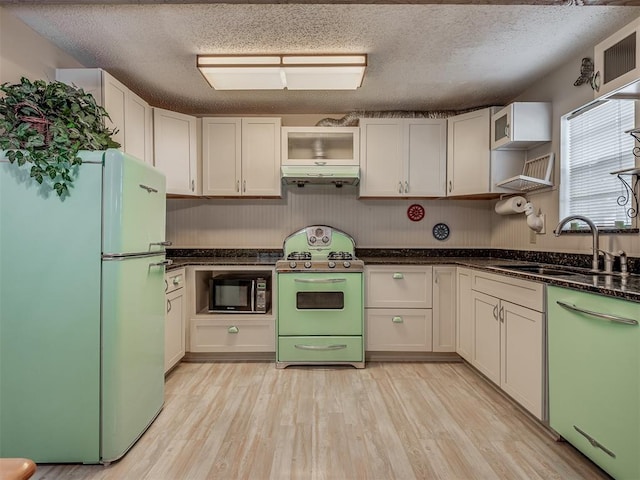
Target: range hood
(337, 175)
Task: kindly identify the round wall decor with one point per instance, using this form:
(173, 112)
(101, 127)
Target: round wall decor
(415, 212)
(440, 231)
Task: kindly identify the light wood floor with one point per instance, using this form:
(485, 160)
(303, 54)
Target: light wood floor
(400, 421)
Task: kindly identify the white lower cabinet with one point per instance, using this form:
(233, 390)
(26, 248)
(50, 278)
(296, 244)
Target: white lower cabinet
(508, 332)
(444, 309)
(398, 313)
(228, 333)
(174, 326)
(464, 314)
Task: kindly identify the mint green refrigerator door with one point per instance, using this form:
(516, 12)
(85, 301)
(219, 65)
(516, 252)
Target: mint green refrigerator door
(50, 316)
(594, 379)
(132, 350)
(134, 205)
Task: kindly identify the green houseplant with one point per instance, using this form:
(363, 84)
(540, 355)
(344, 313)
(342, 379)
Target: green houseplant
(46, 124)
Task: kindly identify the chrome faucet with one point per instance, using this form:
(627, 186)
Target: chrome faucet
(594, 234)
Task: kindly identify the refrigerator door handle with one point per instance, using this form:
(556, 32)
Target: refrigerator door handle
(161, 244)
(164, 263)
(148, 188)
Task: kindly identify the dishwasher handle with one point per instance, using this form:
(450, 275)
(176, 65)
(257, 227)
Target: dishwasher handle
(602, 316)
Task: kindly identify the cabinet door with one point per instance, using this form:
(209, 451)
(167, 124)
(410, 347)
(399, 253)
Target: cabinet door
(114, 99)
(426, 152)
(221, 156)
(399, 330)
(444, 309)
(464, 315)
(138, 128)
(468, 153)
(522, 334)
(174, 137)
(261, 157)
(174, 331)
(486, 341)
(399, 286)
(381, 162)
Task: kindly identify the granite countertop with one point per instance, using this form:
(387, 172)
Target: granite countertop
(579, 278)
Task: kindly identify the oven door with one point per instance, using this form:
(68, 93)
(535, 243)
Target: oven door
(320, 303)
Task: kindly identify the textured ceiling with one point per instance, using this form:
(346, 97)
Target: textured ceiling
(421, 57)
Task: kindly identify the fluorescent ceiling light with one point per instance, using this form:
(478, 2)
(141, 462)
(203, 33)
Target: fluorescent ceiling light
(276, 72)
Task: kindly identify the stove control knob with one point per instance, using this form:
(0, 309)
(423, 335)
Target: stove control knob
(313, 239)
(307, 264)
(293, 264)
(346, 264)
(325, 239)
(332, 264)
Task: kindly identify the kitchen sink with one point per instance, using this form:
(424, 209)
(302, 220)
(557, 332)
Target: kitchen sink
(538, 270)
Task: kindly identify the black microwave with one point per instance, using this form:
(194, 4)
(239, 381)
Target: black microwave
(238, 294)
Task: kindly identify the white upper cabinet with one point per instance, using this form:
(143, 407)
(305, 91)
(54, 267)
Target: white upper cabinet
(241, 156)
(617, 62)
(129, 114)
(176, 154)
(403, 157)
(521, 125)
(472, 167)
(320, 146)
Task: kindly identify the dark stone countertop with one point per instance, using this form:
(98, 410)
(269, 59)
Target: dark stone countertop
(496, 261)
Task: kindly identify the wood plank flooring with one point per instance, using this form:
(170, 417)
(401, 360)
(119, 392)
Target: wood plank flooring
(403, 421)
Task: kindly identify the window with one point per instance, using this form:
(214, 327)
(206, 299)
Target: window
(594, 145)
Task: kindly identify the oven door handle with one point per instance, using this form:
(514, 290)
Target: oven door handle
(319, 280)
(336, 346)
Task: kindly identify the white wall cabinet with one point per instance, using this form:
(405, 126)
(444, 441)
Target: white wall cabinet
(617, 62)
(241, 156)
(176, 153)
(398, 308)
(402, 157)
(508, 336)
(128, 113)
(472, 167)
(174, 327)
(444, 309)
(521, 125)
(464, 314)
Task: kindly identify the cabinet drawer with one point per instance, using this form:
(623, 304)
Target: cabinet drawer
(399, 286)
(174, 280)
(399, 329)
(320, 349)
(227, 335)
(521, 292)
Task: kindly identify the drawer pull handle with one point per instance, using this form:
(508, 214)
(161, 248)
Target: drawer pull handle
(397, 320)
(233, 329)
(603, 316)
(595, 443)
(336, 346)
(398, 276)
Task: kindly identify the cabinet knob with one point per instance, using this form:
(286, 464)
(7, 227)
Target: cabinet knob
(506, 130)
(244, 185)
(495, 312)
(168, 306)
(397, 320)
(398, 276)
(406, 187)
(399, 187)
(233, 329)
(450, 186)
(177, 280)
(238, 186)
(595, 81)
(193, 185)
(166, 285)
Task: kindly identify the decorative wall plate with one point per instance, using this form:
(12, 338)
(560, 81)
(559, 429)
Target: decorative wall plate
(415, 212)
(440, 231)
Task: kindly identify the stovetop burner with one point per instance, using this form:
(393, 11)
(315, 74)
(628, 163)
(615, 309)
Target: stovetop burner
(340, 256)
(299, 256)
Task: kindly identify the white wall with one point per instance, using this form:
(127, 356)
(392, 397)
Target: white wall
(24, 53)
(512, 231)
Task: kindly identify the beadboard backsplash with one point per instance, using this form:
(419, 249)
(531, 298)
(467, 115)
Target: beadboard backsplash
(264, 223)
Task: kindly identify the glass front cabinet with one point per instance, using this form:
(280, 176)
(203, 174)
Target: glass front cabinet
(320, 146)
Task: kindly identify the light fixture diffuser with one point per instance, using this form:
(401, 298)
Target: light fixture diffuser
(276, 72)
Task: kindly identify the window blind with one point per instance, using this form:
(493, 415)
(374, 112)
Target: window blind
(597, 146)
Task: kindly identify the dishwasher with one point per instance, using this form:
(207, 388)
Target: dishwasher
(594, 377)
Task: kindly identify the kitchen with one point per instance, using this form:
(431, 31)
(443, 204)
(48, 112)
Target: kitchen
(262, 224)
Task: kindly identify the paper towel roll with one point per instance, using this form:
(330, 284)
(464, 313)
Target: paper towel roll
(511, 205)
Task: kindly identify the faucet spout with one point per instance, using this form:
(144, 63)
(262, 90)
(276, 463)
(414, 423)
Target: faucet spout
(594, 233)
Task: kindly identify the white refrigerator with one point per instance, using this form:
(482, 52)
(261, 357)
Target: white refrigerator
(81, 310)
